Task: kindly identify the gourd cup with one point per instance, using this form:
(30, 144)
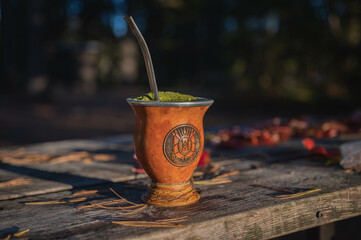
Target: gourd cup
(169, 141)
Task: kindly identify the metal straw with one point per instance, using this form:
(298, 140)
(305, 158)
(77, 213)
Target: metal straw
(146, 54)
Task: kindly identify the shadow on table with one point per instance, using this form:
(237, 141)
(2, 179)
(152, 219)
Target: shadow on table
(67, 178)
(6, 231)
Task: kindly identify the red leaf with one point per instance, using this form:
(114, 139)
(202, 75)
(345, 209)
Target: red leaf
(138, 170)
(319, 134)
(308, 143)
(254, 140)
(205, 159)
(319, 151)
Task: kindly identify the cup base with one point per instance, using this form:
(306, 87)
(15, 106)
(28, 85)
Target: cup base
(170, 195)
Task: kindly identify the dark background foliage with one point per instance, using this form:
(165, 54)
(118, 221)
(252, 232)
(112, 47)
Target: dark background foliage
(258, 58)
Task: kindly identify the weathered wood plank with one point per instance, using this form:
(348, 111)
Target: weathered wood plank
(49, 177)
(228, 211)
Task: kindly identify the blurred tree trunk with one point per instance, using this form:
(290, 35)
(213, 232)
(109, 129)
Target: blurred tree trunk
(37, 80)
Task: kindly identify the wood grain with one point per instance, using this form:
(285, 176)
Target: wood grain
(50, 177)
(233, 210)
(230, 211)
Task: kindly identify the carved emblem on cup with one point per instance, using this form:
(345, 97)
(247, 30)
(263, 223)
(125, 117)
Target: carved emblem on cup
(181, 145)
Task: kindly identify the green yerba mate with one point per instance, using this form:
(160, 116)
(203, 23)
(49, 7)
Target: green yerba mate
(167, 97)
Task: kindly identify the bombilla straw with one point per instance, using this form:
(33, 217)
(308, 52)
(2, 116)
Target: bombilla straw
(146, 54)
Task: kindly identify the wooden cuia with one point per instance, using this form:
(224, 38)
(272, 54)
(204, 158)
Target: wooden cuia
(168, 142)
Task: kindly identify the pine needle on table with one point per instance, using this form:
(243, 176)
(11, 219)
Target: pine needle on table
(74, 200)
(220, 179)
(147, 224)
(180, 219)
(18, 234)
(214, 168)
(45, 203)
(212, 181)
(125, 208)
(198, 174)
(103, 204)
(289, 196)
(136, 204)
(224, 175)
(132, 208)
(104, 157)
(85, 192)
(293, 194)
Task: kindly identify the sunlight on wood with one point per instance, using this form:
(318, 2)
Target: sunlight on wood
(16, 182)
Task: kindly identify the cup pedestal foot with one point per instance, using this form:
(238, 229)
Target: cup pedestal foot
(170, 195)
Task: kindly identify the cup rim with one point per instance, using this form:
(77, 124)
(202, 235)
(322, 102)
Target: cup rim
(199, 102)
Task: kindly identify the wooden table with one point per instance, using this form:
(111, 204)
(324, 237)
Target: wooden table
(234, 210)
